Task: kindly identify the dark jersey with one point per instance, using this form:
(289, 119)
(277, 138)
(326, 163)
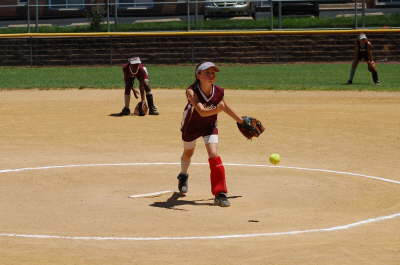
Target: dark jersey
(193, 125)
(364, 50)
(129, 76)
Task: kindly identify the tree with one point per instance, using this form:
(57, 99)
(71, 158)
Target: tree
(96, 12)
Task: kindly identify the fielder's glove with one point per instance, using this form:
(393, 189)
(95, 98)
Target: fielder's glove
(141, 108)
(250, 127)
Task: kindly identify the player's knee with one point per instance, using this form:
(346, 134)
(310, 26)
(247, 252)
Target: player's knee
(187, 154)
(212, 154)
(371, 68)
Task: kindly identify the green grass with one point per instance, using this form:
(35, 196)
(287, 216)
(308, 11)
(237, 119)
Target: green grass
(232, 76)
(391, 20)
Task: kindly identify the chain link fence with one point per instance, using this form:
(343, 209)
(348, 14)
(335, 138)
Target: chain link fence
(32, 14)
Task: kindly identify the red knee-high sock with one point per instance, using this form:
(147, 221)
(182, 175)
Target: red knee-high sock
(217, 175)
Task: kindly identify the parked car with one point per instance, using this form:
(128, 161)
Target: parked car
(217, 8)
(297, 8)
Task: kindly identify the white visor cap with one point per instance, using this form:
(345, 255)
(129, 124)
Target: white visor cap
(362, 36)
(205, 66)
(134, 60)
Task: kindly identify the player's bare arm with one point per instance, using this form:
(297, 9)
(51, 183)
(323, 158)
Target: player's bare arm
(135, 92)
(356, 51)
(228, 110)
(199, 107)
(369, 50)
(142, 84)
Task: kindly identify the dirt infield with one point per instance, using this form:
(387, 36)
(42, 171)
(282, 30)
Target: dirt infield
(333, 200)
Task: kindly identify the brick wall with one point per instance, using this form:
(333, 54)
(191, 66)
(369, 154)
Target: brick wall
(268, 48)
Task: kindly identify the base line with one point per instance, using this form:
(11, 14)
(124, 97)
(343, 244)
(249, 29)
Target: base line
(295, 232)
(194, 163)
(288, 233)
(150, 194)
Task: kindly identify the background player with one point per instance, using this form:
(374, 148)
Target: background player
(363, 50)
(135, 69)
(205, 101)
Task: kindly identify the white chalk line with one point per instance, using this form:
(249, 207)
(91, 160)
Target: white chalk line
(150, 194)
(87, 165)
(175, 163)
(295, 232)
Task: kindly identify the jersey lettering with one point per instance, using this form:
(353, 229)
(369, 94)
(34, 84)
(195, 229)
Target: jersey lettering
(193, 125)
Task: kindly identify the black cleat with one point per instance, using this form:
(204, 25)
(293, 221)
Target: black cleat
(221, 200)
(125, 111)
(349, 82)
(183, 182)
(152, 107)
(153, 111)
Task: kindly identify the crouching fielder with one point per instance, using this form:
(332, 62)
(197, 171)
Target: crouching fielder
(363, 51)
(135, 69)
(205, 101)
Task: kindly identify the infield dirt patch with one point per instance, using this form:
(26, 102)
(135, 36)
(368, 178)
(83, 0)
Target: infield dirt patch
(341, 131)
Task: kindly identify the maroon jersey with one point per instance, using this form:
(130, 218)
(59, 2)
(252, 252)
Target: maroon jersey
(193, 125)
(129, 76)
(364, 51)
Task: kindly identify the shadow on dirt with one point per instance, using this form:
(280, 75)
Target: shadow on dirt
(174, 201)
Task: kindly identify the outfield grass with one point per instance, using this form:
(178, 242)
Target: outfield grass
(232, 76)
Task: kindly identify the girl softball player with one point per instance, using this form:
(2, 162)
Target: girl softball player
(363, 51)
(135, 69)
(205, 101)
